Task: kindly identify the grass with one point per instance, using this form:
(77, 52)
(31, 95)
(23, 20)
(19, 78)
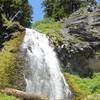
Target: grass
(84, 87)
(51, 29)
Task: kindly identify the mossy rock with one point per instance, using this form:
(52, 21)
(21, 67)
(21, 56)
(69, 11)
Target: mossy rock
(10, 69)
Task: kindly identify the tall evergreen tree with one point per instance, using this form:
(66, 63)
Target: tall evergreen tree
(13, 15)
(88, 2)
(62, 8)
(16, 10)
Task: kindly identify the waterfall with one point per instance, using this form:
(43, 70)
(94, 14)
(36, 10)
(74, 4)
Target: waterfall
(43, 75)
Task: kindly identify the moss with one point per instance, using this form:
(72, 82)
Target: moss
(84, 87)
(51, 29)
(10, 71)
(6, 97)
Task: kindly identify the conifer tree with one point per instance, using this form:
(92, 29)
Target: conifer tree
(58, 9)
(16, 10)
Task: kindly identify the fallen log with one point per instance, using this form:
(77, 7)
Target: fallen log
(21, 94)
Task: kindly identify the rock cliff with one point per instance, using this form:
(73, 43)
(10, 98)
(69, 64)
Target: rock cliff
(80, 52)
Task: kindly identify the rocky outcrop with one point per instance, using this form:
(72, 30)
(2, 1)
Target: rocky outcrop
(81, 42)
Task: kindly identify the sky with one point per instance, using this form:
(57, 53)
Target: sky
(38, 10)
(98, 1)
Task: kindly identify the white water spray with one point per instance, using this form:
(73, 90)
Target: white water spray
(43, 75)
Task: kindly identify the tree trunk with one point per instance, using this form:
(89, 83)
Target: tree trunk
(22, 95)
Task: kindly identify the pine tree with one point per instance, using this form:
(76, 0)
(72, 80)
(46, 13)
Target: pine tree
(16, 10)
(59, 9)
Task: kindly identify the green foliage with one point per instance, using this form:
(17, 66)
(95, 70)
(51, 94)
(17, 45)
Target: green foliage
(51, 29)
(10, 70)
(88, 2)
(78, 94)
(90, 87)
(6, 97)
(16, 10)
(59, 9)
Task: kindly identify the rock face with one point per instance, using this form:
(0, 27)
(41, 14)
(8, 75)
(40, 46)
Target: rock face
(80, 52)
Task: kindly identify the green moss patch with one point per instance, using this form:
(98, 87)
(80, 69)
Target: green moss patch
(10, 70)
(51, 29)
(6, 97)
(77, 93)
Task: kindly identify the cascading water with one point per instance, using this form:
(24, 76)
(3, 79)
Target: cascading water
(43, 75)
